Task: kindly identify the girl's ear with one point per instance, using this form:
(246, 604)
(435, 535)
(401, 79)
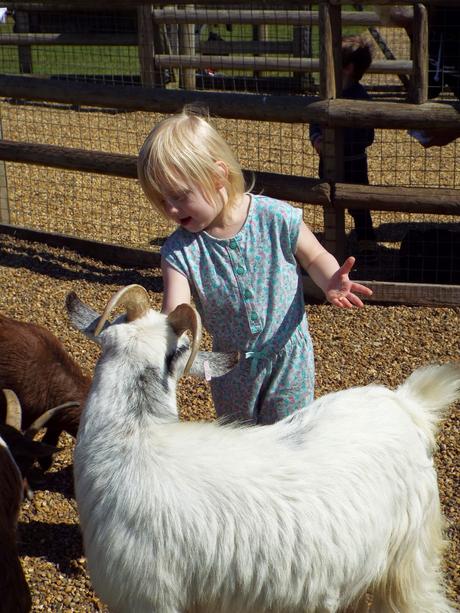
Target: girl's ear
(222, 173)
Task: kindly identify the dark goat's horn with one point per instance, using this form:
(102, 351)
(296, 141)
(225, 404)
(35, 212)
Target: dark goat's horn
(13, 410)
(133, 297)
(41, 421)
(185, 317)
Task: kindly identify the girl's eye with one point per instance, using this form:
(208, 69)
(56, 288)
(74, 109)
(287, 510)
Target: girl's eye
(177, 197)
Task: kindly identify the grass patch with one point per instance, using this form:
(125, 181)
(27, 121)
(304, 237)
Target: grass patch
(49, 60)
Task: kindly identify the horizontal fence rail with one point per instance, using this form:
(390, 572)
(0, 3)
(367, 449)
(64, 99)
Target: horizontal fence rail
(266, 63)
(287, 109)
(205, 16)
(427, 294)
(68, 39)
(123, 5)
(440, 201)
(276, 185)
(299, 189)
(258, 17)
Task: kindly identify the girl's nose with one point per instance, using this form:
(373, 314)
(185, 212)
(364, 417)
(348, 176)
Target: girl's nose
(171, 208)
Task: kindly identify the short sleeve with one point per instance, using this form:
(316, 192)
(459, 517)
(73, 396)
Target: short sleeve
(173, 254)
(294, 226)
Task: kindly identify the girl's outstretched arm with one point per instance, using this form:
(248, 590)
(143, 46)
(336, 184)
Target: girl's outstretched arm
(176, 289)
(325, 271)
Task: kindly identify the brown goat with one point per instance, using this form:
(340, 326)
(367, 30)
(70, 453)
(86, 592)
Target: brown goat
(16, 452)
(35, 364)
(15, 595)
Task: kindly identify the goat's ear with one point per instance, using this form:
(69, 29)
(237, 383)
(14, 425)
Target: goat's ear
(82, 317)
(210, 364)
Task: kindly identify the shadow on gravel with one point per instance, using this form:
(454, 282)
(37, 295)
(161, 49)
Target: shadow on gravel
(60, 481)
(66, 264)
(58, 543)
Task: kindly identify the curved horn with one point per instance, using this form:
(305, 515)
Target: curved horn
(133, 297)
(13, 410)
(46, 416)
(185, 317)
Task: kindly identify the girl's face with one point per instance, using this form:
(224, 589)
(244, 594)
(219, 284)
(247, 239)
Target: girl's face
(190, 209)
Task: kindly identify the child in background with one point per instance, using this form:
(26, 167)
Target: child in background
(240, 256)
(356, 59)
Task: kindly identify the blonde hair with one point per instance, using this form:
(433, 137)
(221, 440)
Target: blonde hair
(181, 151)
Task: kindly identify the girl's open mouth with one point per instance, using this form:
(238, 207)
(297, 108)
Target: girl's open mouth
(185, 221)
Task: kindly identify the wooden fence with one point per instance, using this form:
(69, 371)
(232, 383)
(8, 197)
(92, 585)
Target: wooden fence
(181, 49)
(329, 110)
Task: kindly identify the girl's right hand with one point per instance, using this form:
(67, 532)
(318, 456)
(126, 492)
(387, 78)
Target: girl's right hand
(341, 291)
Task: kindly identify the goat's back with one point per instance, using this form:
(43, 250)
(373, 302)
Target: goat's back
(36, 366)
(326, 493)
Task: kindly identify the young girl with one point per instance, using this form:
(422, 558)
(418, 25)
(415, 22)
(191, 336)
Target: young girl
(240, 256)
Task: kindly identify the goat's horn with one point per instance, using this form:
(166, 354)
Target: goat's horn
(13, 410)
(185, 317)
(133, 297)
(40, 422)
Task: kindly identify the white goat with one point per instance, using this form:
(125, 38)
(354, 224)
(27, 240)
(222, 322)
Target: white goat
(307, 515)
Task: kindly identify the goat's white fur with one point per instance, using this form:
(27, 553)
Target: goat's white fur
(306, 515)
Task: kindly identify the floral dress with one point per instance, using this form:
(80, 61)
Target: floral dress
(248, 291)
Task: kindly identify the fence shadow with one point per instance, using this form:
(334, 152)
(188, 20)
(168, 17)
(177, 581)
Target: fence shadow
(388, 265)
(68, 265)
(395, 232)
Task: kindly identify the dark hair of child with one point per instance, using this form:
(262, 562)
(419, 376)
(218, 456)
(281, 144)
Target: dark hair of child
(356, 50)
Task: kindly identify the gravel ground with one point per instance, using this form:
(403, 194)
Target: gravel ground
(376, 344)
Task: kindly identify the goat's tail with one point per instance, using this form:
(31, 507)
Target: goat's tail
(430, 390)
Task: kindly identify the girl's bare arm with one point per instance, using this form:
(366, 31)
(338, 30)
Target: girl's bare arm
(326, 272)
(314, 259)
(176, 289)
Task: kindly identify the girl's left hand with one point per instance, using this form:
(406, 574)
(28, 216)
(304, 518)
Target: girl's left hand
(340, 290)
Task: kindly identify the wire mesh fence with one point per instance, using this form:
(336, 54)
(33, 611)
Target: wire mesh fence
(250, 49)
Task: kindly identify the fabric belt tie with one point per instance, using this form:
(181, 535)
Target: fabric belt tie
(255, 356)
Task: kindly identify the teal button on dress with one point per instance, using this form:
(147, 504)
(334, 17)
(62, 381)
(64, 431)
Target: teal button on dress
(248, 291)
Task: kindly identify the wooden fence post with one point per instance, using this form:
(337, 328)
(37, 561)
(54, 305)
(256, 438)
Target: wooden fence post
(21, 25)
(302, 47)
(332, 146)
(187, 78)
(146, 48)
(419, 52)
(259, 33)
(152, 40)
(4, 204)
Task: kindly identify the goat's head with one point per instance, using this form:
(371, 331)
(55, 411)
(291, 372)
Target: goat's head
(163, 336)
(21, 445)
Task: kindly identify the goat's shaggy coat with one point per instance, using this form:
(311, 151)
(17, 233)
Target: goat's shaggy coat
(306, 515)
(35, 364)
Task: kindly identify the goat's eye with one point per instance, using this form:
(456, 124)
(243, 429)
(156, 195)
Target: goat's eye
(172, 358)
